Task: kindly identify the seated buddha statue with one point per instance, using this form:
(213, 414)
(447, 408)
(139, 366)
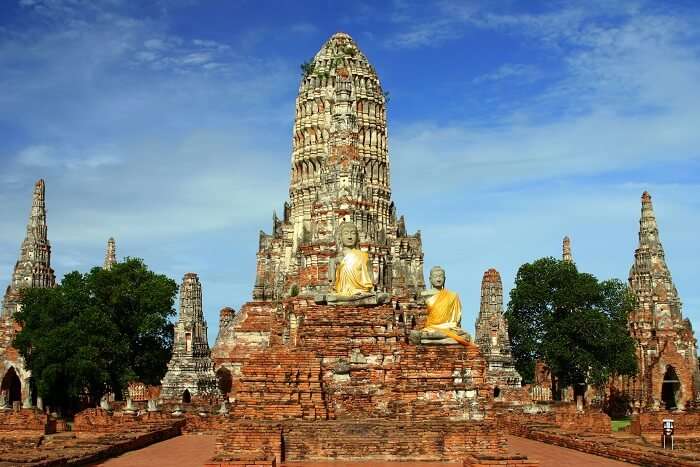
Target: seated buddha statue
(350, 274)
(442, 325)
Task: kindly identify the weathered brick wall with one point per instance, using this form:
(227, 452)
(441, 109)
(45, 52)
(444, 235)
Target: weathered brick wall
(649, 423)
(563, 416)
(101, 421)
(25, 419)
(355, 439)
(346, 362)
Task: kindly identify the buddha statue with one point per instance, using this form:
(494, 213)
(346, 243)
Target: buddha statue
(444, 314)
(350, 274)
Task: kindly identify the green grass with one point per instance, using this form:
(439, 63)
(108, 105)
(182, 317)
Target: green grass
(618, 425)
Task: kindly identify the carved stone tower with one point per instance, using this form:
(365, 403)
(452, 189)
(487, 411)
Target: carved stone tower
(340, 172)
(666, 345)
(566, 250)
(190, 371)
(492, 334)
(111, 255)
(33, 269)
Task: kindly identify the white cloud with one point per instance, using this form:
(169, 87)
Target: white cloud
(508, 71)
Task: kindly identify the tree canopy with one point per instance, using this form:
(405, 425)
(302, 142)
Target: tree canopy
(95, 332)
(572, 322)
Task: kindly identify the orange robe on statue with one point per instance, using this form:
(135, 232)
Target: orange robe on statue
(445, 314)
(352, 276)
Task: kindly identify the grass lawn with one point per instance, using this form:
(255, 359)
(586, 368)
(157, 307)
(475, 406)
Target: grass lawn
(617, 425)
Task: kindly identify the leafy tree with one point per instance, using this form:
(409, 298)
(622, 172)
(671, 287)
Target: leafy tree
(571, 321)
(95, 332)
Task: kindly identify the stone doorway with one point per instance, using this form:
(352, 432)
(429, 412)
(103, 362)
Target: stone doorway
(186, 397)
(11, 386)
(670, 388)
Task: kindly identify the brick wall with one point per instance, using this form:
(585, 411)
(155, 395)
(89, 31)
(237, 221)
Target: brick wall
(25, 419)
(436, 440)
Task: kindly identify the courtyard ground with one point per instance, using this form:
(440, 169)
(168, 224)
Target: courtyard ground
(185, 451)
(194, 450)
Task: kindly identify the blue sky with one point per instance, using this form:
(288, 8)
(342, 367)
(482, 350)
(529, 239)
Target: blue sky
(511, 124)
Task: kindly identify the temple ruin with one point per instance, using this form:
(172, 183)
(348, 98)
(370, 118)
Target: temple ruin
(492, 335)
(190, 370)
(33, 268)
(339, 173)
(666, 346)
(110, 255)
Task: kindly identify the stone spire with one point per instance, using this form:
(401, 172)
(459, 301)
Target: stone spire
(492, 333)
(664, 338)
(111, 255)
(339, 173)
(33, 269)
(566, 250)
(190, 368)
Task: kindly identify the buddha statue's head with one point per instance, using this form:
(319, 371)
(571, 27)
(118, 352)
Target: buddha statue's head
(348, 234)
(437, 277)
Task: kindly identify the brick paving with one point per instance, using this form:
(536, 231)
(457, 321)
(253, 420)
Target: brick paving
(555, 456)
(181, 451)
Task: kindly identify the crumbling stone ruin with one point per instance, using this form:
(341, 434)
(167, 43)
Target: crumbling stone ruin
(110, 255)
(33, 269)
(340, 173)
(666, 346)
(492, 335)
(190, 370)
(316, 371)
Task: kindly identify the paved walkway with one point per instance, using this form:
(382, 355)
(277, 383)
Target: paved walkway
(556, 456)
(181, 451)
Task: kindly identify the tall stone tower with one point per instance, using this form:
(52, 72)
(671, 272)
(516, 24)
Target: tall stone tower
(492, 334)
(666, 346)
(340, 172)
(111, 254)
(190, 370)
(566, 250)
(33, 269)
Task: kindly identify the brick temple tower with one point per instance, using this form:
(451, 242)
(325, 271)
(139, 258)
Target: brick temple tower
(492, 334)
(666, 346)
(190, 371)
(566, 250)
(33, 269)
(111, 254)
(340, 172)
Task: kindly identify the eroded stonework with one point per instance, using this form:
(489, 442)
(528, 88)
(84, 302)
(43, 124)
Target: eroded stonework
(666, 345)
(33, 269)
(340, 173)
(190, 368)
(110, 255)
(492, 334)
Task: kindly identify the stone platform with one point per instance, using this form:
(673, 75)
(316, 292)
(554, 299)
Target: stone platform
(317, 382)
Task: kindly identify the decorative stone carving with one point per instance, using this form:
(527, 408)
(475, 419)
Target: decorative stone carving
(153, 405)
(129, 409)
(190, 370)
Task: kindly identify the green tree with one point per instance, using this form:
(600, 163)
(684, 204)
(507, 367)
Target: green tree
(95, 332)
(571, 321)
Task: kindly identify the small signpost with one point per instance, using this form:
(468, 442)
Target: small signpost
(667, 433)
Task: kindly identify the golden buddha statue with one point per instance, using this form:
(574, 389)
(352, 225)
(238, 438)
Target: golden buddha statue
(443, 325)
(350, 273)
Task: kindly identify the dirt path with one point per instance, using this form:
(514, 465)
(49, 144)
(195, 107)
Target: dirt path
(181, 451)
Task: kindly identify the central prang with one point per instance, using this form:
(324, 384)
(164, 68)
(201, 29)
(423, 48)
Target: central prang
(350, 273)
